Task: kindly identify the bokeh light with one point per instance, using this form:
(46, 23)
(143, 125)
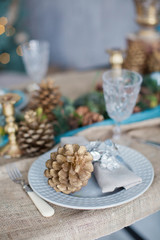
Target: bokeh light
(4, 58)
(3, 21)
(2, 29)
(19, 51)
(10, 31)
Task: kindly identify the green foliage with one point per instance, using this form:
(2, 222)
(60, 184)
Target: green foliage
(41, 116)
(151, 84)
(61, 125)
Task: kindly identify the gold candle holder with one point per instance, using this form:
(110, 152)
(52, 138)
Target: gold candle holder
(116, 58)
(11, 149)
(147, 17)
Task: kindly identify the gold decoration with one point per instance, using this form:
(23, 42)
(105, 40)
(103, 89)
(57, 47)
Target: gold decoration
(147, 14)
(35, 135)
(116, 58)
(135, 57)
(147, 17)
(153, 62)
(69, 168)
(11, 149)
(47, 97)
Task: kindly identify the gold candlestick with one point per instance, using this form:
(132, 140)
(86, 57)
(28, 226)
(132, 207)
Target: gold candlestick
(11, 149)
(116, 58)
(147, 17)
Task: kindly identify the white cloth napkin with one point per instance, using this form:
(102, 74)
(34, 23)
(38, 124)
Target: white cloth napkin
(108, 180)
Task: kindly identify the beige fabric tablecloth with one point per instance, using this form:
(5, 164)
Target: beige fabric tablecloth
(19, 218)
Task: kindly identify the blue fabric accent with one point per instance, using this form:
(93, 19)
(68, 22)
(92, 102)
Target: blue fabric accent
(3, 140)
(136, 117)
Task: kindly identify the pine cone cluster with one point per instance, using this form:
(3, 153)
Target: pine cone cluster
(35, 135)
(135, 57)
(69, 168)
(47, 97)
(88, 117)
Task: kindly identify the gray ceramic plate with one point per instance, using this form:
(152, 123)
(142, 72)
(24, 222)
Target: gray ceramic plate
(90, 196)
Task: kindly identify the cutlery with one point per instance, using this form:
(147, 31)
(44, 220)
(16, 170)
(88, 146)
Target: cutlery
(148, 142)
(44, 208)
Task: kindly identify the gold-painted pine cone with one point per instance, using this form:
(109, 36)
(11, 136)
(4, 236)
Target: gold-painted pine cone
(69, 168)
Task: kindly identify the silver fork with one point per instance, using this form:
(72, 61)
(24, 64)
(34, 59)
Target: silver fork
(44, 208)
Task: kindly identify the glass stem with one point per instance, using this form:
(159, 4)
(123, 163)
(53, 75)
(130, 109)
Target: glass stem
(116, 131)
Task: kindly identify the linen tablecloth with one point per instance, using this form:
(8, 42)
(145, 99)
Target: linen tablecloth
(19, 218)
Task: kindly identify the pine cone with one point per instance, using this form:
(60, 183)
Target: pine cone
(73, 122)
(35, 136)
(69, 168)
(153, 62)
(48, 97)
(87, 116)
(92, 117)
(82, 110)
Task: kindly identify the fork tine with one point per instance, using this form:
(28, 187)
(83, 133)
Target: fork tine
(17, 172)
(9, 173)
(13, 171)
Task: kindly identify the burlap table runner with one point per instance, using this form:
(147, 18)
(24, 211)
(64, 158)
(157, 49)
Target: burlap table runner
(19, 219)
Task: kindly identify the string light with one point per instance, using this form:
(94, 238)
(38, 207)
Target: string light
(4, 58)
(19, 51)
(2, 29)
(3, 21)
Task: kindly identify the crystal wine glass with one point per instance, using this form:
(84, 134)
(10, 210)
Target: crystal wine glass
(36, 58)
(121, 88)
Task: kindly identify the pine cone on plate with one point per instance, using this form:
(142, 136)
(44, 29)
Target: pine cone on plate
(88, 117)
(35, 134)
(69, 168)
(48, 97)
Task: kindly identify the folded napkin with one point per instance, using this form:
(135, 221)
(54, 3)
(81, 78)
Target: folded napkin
(110, 172)
(119, 177)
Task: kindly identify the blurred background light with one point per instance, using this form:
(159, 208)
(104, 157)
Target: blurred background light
(4, 58)
(2, 29)
(3, 21)
(10, 31)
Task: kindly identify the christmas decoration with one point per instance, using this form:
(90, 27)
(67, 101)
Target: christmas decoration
(116, 58)
(69, 168)
(142, 53)
(35, 135)
(88, 117)
(135, 57)
(153, 62)
(11, 149)
(47, 97)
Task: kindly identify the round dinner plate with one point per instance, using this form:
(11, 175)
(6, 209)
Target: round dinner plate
(91, 196)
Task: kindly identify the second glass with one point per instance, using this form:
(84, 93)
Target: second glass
(36, 58)
(121, 89)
